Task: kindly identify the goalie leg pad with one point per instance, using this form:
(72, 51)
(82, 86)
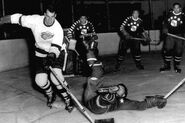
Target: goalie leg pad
(91, 58)
(97, 70)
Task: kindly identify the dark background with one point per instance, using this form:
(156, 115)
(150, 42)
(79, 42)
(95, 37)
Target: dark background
(105, 17)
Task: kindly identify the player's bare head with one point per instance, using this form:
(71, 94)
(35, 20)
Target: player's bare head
(50, 15)
(135, 14)
(122, 91)
(177, 7)
(83, 19)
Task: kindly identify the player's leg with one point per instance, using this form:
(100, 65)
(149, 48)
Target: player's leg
(57, 67)
(41, 79)
(167, 53)
(121, 53)
(179, 45)
(136, 52)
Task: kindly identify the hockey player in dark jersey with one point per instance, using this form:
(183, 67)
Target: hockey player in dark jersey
(173, 47)
(100, 99)
(132, 27)
(84, 33)
(48, 35)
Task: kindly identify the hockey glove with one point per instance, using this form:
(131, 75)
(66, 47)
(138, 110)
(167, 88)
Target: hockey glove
(156, 100)
(128, 37)
(161, 101)
(93, 45)
(50, 60)
(165, 31)
(94, 37)
(146, 41)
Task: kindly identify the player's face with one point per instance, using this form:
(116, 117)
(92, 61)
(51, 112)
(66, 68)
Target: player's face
(176, 9)
(135, 14)
(49, 18)
(121, 92)
(83, 20)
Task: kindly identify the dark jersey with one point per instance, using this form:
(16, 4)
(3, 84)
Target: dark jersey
(133, 26)
(175, 22)
(104, 103)
(77, 29)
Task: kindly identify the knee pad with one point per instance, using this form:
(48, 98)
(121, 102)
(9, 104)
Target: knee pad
(41, 79)
(59, 74)
(97, 70)
(91, 58)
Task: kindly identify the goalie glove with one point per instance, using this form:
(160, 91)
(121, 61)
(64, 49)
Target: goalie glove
(161, 101)
(156, 100)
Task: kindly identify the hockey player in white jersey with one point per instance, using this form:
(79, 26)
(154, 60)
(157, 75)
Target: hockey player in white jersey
(48, 35)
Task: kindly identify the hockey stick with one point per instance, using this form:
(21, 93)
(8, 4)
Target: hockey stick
(81, 108)
(174, 89)
(175, 36)
(142, 39)
(65, 60)
(139, 39)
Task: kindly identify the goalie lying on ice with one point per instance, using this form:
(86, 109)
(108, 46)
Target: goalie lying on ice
(100, 99)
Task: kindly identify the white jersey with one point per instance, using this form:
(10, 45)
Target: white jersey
(48, 38)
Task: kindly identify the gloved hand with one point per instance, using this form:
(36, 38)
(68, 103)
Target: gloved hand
(165, 31)
(156, 100)
(127, 36)
(50, 60)
(94, 37)
(93, 45)
(161, 102)
(146, 41)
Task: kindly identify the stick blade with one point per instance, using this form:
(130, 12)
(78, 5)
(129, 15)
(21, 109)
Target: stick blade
(110, 120)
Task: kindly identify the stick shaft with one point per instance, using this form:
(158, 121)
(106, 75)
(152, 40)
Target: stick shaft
(176, 36)
(139, 39)
(175, 88)
(77, 52)
(65, 60)
(72, 96)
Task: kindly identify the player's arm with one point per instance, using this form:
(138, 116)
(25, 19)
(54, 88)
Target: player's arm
(71, 35)
(71, 30)
(144, 32)
(123, 30)
(55, 48)
(183, 18)
(57, 42)
(20, 19)
(13, 19)
(92, 30)
(165, 24)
